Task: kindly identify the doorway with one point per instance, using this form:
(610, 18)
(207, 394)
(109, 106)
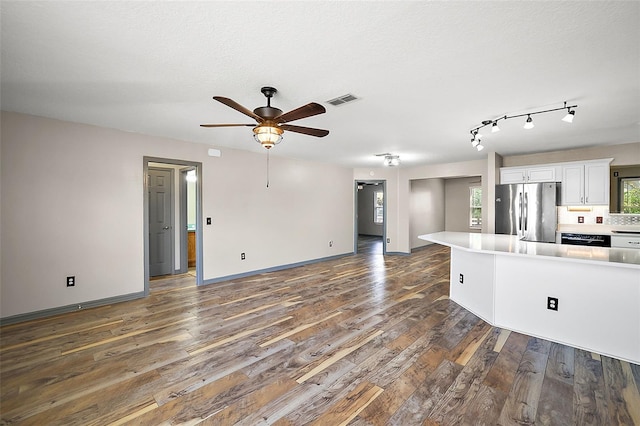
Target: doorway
(167, 227)
(370, 234)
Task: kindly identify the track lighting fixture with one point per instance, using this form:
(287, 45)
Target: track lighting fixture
(391, 160)
(529, 123)
(475, 136)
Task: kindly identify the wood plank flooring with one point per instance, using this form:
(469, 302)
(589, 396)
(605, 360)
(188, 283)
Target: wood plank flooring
(361, 340)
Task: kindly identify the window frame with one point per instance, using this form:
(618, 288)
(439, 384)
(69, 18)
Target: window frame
(473, 207)
(621, 191)
(378, 208)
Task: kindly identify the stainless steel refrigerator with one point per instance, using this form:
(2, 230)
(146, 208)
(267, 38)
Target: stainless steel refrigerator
(527, 210)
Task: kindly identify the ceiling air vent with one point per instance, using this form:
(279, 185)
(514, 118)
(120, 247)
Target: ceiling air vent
(341, 100)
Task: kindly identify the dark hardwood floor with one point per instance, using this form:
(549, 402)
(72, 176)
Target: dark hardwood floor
(362, 340)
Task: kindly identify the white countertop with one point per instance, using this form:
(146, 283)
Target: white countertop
(510, 244)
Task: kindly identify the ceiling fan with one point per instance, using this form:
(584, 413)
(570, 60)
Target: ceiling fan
(271, 121)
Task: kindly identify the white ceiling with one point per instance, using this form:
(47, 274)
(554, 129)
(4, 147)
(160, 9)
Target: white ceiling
(425, 72)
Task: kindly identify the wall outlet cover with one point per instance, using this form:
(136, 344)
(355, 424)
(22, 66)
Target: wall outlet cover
(580, 219)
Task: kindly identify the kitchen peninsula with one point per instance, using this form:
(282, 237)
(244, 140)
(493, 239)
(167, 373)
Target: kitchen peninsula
(586, 297)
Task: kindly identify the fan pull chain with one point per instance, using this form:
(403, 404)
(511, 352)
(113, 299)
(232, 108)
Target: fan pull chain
(267, 168)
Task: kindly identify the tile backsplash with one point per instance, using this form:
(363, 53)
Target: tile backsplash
(591, 214)
(623, 219)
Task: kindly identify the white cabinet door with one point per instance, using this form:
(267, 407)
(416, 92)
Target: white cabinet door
(625, 241)
(528, 174)
(513, 176)
(596, 184)
(585, 183)
(572, 184)
(541, 174)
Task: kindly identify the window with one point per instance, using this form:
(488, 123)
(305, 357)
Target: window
(475, 206)
(630, 195)
(378, 207)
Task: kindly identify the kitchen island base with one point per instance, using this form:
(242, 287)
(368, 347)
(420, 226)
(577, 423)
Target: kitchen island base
(593, 306)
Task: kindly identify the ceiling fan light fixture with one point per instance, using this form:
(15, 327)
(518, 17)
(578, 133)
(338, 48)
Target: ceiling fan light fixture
(267, 135)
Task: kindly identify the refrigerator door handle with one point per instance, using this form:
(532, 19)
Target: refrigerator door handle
(520, 208)
(526, 210)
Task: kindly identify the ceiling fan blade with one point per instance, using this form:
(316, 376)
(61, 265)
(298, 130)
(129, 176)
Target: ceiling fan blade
(304, 111)
(320, 133)
(233, 104)
(227, 125)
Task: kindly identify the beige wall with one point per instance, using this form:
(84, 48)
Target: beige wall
(72, 204)
(426, 209)
(456, 204)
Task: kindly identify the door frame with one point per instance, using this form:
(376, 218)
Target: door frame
(145, 215)
(384, 213)
(184, 233)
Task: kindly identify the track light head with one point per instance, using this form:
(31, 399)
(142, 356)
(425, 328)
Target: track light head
(479, 147)
(569, 117)
(529, 123)
(494, 127)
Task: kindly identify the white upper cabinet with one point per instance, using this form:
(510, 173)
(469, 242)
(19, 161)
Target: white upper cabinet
(596, 183)
(585, 183)
(581, 182)
(531, 174)
(512, 175)
(572, 184)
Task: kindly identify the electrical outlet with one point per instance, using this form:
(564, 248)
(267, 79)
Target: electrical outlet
(208, 221)
(598, 219)
(552, 303)
(388, 240)
(331, 243)
(71, 281)
(242, 256)
(580, 219)
(461, 279)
